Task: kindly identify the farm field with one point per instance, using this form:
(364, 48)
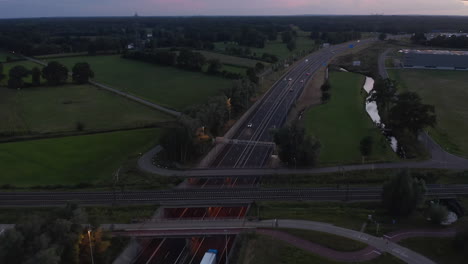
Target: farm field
(276, 47)
(71, 160)
(264, 249)
(447, 91)
(167, 86)
(9, 65)
(60, 108)
(229, 60)
(342, 122)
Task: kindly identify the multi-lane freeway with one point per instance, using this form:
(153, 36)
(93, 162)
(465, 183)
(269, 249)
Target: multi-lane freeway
(272, 111)
(210, 196)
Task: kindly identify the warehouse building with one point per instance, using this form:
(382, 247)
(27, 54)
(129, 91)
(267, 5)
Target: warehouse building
(435, 59)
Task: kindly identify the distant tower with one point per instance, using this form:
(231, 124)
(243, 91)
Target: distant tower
(137, 39)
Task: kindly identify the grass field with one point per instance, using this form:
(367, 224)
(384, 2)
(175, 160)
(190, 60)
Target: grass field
(27, 64)
(4, 54)
(114, 214)
(260, 249)
(439, 250)
(59, 108)
(341, 123)
(276, 47)
(331, 241)
(229, 60)
(448, 92)
(71, 160)
(167, 86)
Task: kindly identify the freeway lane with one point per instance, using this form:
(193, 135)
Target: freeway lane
(213, 195)
(273, 110)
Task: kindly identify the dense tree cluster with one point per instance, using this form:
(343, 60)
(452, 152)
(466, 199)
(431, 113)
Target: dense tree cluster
(54, 73)
(453, 41)
(403, 194)
(335, 37)
(55, 239)
(295, 148)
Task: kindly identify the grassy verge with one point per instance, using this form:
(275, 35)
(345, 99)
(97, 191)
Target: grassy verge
(362, 178)
(327, 240)
(439, 250)
(61, 108)
(347, 215)
(167, 86)
(446, 90)
(261, 249)
(342, 123)
(100, 215)
(71, 160)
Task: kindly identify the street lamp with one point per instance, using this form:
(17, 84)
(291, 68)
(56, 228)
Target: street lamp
(90, 247)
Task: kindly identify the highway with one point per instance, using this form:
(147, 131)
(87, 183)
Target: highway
(211, 196)
(271, 113)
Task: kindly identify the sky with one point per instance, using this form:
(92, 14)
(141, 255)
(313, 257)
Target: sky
(51, 8)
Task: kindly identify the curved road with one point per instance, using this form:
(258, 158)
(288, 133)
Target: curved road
(380, 244)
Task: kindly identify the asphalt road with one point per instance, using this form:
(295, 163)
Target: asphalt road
(271, 113)
(211, 196)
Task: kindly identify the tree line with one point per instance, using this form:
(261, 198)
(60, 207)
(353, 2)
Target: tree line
(57, 238)
(453, 41)
(54, 73)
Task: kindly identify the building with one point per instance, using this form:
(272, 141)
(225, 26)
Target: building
(435, 59)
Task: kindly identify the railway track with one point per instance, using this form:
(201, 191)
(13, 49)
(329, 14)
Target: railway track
(213, 195)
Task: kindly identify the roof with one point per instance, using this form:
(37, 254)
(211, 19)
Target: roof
(437, 52)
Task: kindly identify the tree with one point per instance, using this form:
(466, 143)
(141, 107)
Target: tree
(325, 86)
(325, 97)
(438, 213)
(366, 146)
(291, 45)
(82, 73)
(295, 148)
(2, 75)
(315, 35)
(403, 194)
(214, 66)
(16, 75)
(55, 73)
(384, 94)
(382, 36)
(419, 38)
(190, 60)
(259, 67)
(410, 114)
(286, 36)
(36, 76)
(252, 75)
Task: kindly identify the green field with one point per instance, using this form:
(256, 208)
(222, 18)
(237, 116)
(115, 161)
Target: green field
(261, 249)
(448, 92)
(341, 123)
(440, 250)
(27, 64)
(229, 60)
(331, 241)
(60, 108)
(167, 86)
(276, 47)
(71, 160)
(4, 54)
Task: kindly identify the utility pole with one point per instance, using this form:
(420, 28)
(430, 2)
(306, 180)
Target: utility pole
(90, 246)
(225, 234)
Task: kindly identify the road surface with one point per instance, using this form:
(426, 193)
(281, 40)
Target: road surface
(381, 244)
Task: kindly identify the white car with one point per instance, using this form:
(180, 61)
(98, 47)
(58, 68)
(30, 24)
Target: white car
(302, 81)
(306, 60)
(290, 79)
(249, 125)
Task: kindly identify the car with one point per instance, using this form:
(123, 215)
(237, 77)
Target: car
(290, 90)
(359, 41)
(290, 79)
(302, 81)
(249, 125)
(308, 74)
(306, 60)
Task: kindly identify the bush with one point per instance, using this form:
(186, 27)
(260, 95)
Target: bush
(79, 126)
(438, 213)
(325, 97)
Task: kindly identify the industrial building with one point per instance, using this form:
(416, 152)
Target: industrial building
(435, 59)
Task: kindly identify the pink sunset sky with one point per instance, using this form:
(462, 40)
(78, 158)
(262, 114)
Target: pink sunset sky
(38, 8)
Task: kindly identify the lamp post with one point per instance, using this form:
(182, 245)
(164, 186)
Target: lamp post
(90, 247)
(225, 234)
